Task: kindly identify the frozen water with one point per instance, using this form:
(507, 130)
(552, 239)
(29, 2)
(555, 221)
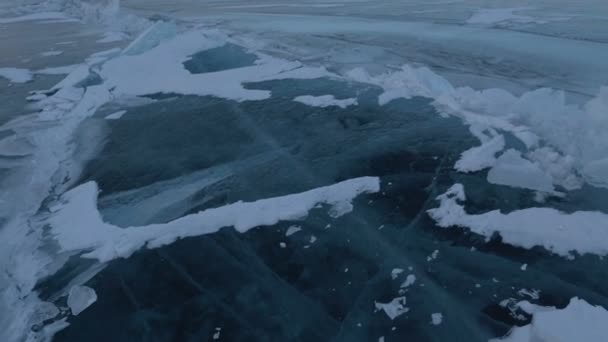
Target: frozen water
(237, 111)
(513, 170)
(579, 321)
(80, 298)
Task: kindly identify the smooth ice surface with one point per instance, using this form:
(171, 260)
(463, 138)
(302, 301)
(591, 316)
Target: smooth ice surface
(80, 298)
(561, 233)
(77, 224)
(513, 170)
(16, 75)
(579, 321)
(324, 101)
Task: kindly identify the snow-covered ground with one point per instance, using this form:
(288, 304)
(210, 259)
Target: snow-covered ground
(523, 88)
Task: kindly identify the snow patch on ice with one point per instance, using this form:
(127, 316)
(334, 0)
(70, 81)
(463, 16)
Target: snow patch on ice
(394, 308)
(582, 231)
(161, 70)
(436, 318)
(488, 16)
(481, 157)
(579, 321)
(325, 101)
(51, 53)
(77, 225)
(16, 75)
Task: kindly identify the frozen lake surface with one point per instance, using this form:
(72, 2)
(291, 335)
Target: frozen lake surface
(303, 170)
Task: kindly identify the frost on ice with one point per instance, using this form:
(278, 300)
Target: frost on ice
(77, 224)
(579, 321)
(561, 233)
(80, 298)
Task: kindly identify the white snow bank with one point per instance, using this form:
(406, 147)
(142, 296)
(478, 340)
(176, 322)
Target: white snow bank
(582, 231)
(579, 321)
(325, 101)
(540, 119)
(16, 75)
(80, 298)
(513, 170)
(35, 16)
(76, 224)
(161, 70)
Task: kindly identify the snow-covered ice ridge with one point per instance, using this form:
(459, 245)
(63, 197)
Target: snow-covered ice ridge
(566, 142)
(583, 232)
(579, 321)
(77, 225)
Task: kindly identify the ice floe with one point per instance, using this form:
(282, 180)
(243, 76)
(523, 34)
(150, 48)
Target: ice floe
(325, 101)
(80, 298)
(76, 224)
(561, 233)
(579, 321)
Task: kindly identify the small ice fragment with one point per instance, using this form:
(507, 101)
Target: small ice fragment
(477, 285)
(381, 339)
(433, 255)
(282, 244)
(346, 270)
(292, 230)
(313, 239)
(524, 267)
(436, 318)
(396, 272)
(116, 115)
(394, 308)
(409, 281)
(216, 335)
(80, 298)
